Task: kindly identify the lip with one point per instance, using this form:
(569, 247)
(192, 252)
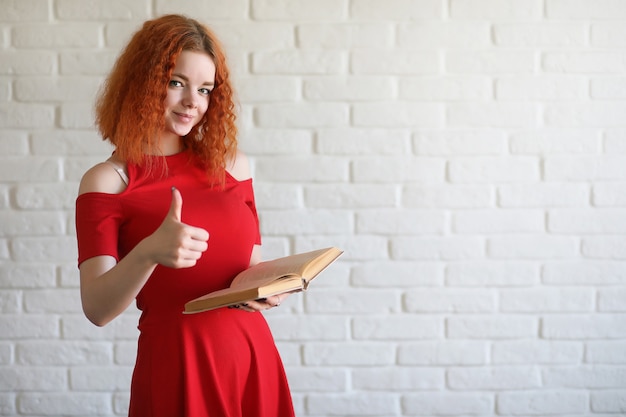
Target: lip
(184, 116)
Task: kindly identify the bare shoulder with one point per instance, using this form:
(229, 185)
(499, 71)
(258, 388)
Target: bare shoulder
(102, 178)
(239, 167)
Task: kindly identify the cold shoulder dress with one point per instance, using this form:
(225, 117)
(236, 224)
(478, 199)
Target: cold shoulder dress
(220, 363)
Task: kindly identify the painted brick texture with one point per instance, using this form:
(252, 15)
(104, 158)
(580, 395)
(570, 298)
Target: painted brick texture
(468, 155)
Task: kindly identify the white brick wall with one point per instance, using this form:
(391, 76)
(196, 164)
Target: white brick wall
(469, 156)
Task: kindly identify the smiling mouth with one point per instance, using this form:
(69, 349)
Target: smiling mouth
(184, 116)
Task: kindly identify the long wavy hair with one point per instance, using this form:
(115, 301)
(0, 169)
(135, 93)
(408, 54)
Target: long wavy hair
(130, 106)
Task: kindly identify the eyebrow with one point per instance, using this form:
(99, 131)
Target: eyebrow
(209, 83)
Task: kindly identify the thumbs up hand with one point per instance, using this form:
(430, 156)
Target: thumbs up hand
(176, 244)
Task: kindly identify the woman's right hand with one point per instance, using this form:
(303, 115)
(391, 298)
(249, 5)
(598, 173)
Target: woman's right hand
(176, 244)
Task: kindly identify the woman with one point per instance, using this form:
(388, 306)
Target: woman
(167, 107)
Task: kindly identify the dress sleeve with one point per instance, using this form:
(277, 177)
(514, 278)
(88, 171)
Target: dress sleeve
(98, 219)
(249, 196)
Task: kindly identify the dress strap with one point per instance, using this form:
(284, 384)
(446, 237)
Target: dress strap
(120, 171)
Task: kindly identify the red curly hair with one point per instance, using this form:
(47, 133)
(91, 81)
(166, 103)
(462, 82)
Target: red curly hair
(130, 107)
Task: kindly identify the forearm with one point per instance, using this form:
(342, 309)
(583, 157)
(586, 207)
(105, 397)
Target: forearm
(107, 288)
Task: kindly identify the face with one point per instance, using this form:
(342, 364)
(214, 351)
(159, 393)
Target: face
(188, 92)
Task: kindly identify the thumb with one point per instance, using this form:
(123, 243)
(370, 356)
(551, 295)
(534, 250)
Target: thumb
(176, 207)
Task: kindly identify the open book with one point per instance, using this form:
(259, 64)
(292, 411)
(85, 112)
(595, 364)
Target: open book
(289, 274)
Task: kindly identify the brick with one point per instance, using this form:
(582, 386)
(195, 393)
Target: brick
(583, 168)
(615, 141)
(262, 89)
(24, 62)
(254, 35)
(27, 116)
(291, 61)
(543, 195)
(400, 222)
(350, 404)
(448, 88)
(498, 221)
(584, 273)
(542, 34)
(458, 142)
(612, 300)
(357, 248)
(593, 62)
(585, 115)
(491, 327)
(314, 328)
(302, 115)
(605, 352)
(44, 249)
(76, 88)
(346, 35)
(448, 352)
(101, 10)
(609, 401)
(66, 35)
(394, 61)
(112, 378)
(397, 9)
(10, 302)
(572, 327)
(6, 356)
(490, 62)
(207, 11)
(125, 353)
(73, 403)
(395, 114)
(547, 300)
(340, 301)
(117, 34)
(14, 223)
(494, 378)
(20, 326)
(398, 169)
(24, 10)
(608, 88)
(492, 274)
(347, 196)
(357, 88)
(277, 142)
(397, 274)
(595, 377)
(13, 143)
(493, 169)
(500, 115)
(547, 401)
(397, 327)
(53, 352)
(608, 35)
(290, 169)
(398, 379)
(584, 221)
(52, 301)
(287, 10)
(75, 167)
(307, 380)
(27, 276)
(455, 300)
(75, 115)
(604, 247)
(437, 248)
(46, 196)
(447, 403)
(541, 88)
(533, 352)
(532, 247)
(496, 9)
(271, 196)
(556, 141)
(8, 404)
(585, 9)
(20, 378)
(77, 328)
(449, 35)
(351, 354)
(92, 63)
(447, 196)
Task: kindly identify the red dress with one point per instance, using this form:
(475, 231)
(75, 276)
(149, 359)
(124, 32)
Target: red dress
(221, 363)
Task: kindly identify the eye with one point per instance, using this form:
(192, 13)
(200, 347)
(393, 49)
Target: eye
(205, 91)
(175, 83)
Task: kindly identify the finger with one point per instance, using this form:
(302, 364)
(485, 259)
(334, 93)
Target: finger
(176, 207)
(197, 233)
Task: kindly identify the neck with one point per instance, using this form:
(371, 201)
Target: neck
(171, 145)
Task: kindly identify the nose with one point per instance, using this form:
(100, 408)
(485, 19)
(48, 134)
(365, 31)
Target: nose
(190, 99)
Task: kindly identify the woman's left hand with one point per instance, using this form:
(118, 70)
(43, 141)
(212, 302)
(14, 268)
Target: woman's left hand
(262, 303)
